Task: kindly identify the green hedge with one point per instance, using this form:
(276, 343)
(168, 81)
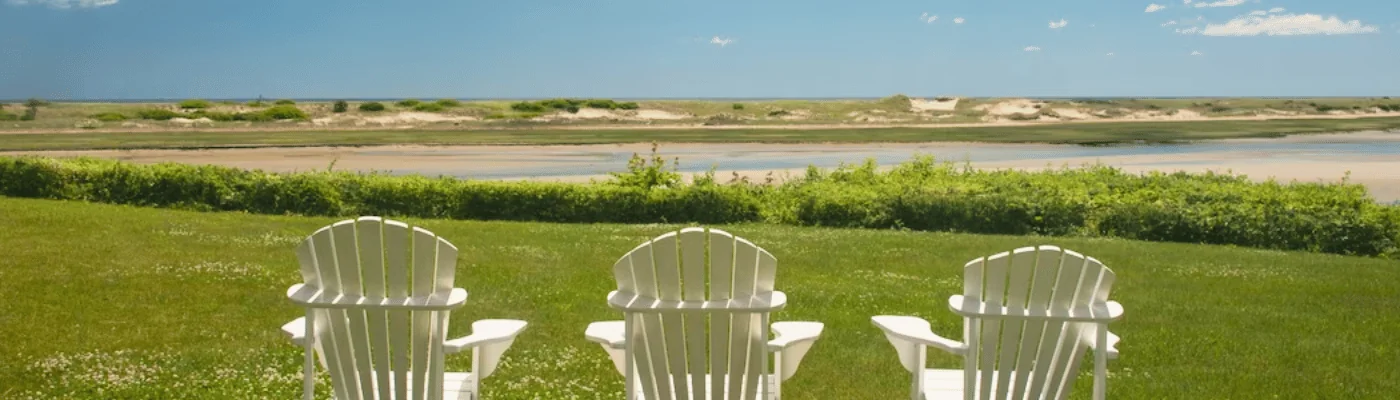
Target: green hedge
(919, 195)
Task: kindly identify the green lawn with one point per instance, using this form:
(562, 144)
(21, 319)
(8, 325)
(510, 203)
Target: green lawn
(112, 302)
(1048, 133)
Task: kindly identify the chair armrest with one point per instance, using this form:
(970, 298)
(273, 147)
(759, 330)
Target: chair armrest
(786, 334)
(916, 330)
(295, 330)
(485, 332)
(607, 333)
(792, 341)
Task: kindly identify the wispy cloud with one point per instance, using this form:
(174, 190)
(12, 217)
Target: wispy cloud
(1110, 54)
(1032, 48)
(1058, 24)
(1288, 25)
(1197, 53)
(1221, 3)
(959, 20)
(1189, 31)
(927, 18)
(1169, 23)
(1259, 12)
(721, 41)
(64, 4)
(1154, 7)
(1277, 10)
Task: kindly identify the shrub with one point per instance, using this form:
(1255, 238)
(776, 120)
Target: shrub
(449, 103)
(898, 102)
(340, 106)
(372, 106)
(35, 102)
(778, 113)
(195, 104)
(284, 112)
(157, 114)
(1220, 109)
(408, 103)
(631, 105)
(737, 106)
(214, 116)
(284, 102)
(29, 114)
(526, 106)
(257, 116)
(257, 103)
(4, 116)
(919, 195)
(109, 117)
(600, 103)
(1325, 107)
(428, 107)
(572, 109)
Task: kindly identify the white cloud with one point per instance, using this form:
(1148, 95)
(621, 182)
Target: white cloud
(1221, 3)
(721, 41)
(1189, 31)
(1110, 54)
(1154, 7)
(1058, 24)
(1288, 25)
(1259, 12)
(1186, 2)
(1277, 10)
(1032, 48)
(64, 4)
(1197, 53)
(1169, 23)
(959, 20)
(927, 18)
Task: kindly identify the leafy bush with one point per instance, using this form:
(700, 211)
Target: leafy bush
(737, 106)
(601, 103)
(572, 109)
(1325, 107)
(631, 105)
(1220, 109)
(898, 102)
(284, 102)
(195, 104)
(919, 195)
(35, 102)
(257, 116)
(408, 103)
(284, 112)
(109, 117)
(30, 114)
(5, 116)
(449, 103)
(372, 106)
(428, 107)
(214, 116)
(157, 114)
(340, 106)
(526, 106)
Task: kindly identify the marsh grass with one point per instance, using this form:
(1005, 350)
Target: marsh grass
(153, 303)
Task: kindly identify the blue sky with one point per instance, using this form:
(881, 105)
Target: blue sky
(142, 49)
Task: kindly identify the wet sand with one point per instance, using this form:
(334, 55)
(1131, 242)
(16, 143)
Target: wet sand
(1373, 158)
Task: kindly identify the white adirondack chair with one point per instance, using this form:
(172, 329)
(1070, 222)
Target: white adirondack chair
(378, 295)
(671, 351)
(1029, 315)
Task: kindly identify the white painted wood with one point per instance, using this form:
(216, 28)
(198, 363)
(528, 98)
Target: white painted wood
(667, 295)
(1029, 316)
(377, 295)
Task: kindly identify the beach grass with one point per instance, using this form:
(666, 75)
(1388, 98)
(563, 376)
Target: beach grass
(117, 302)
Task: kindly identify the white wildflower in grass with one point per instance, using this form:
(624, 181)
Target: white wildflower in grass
(166, 375)
(222, 270)
(555, 373)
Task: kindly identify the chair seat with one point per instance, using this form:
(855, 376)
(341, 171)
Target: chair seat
(771, 387)
(455, 386)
